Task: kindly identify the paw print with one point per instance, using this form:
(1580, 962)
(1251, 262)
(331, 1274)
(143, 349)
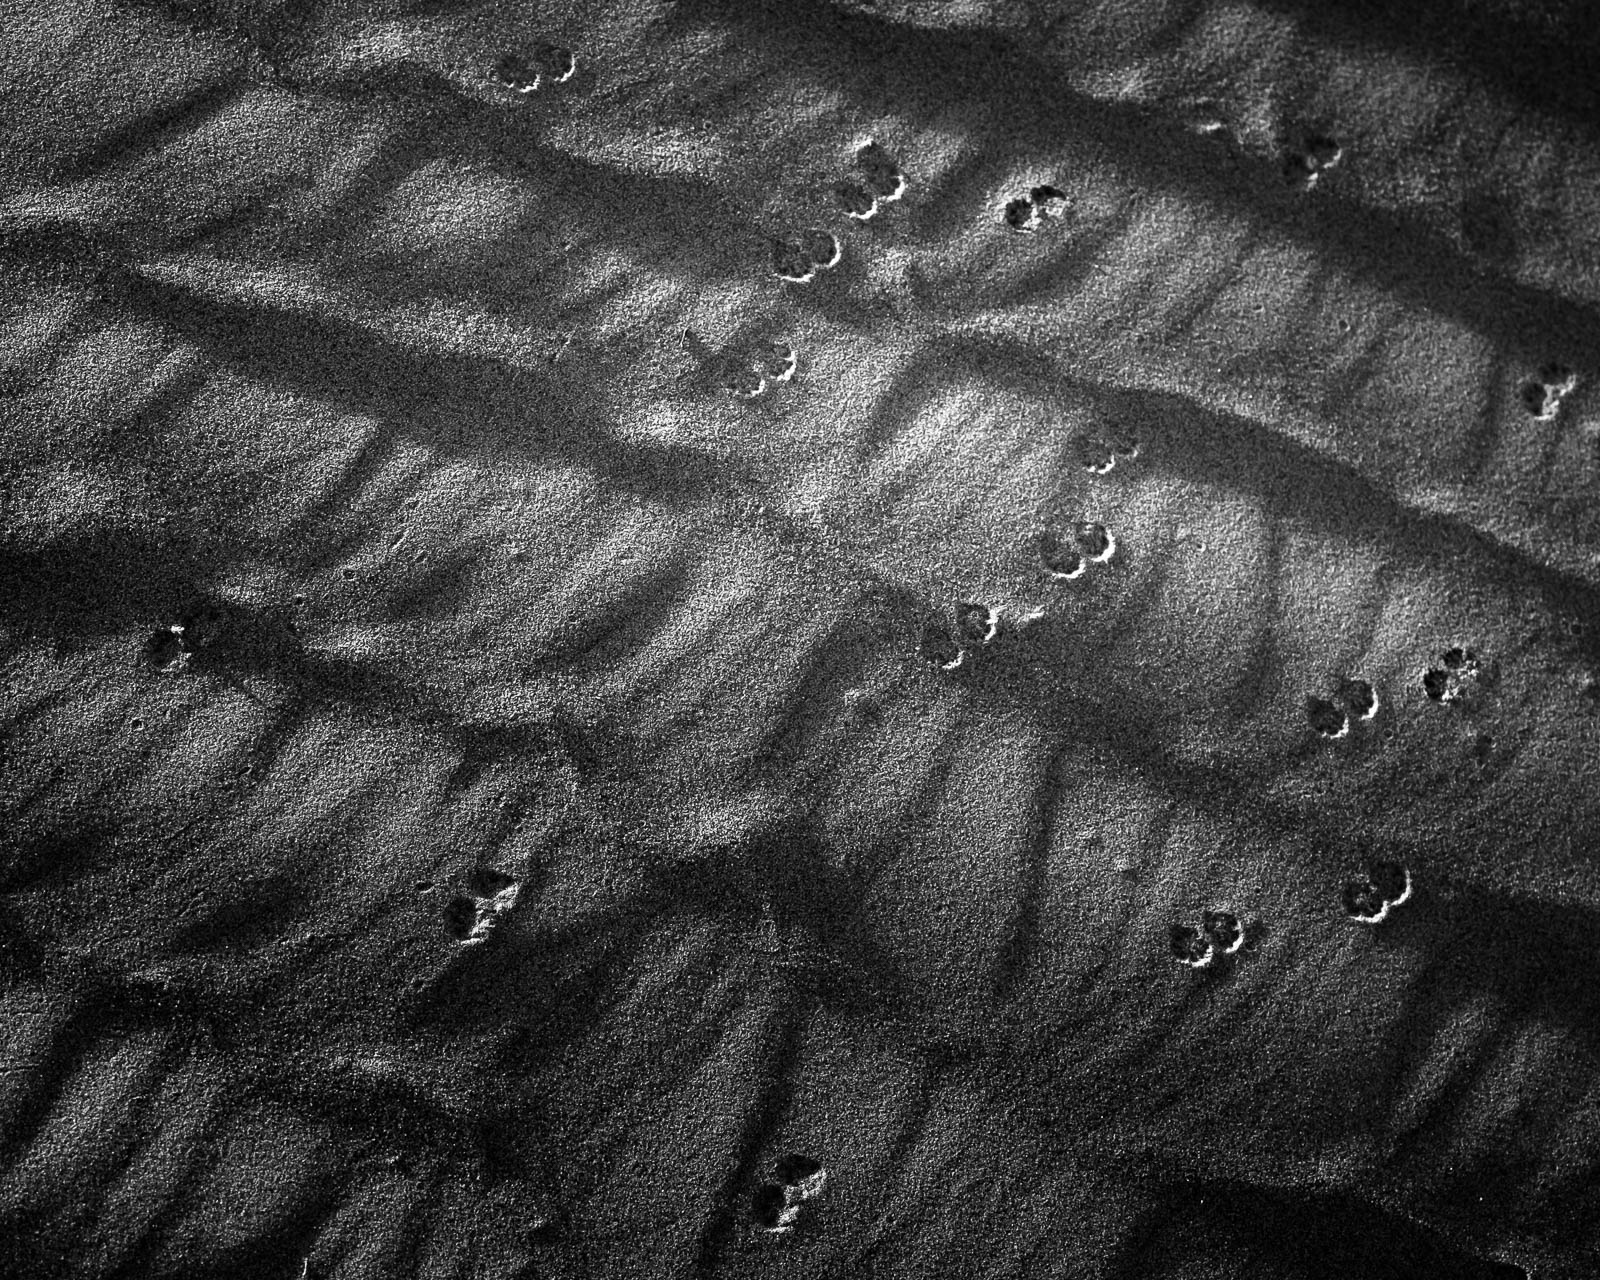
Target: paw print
(1303, 166)
(1219, 934)
(1030, 212)
(749, 372)
(171, 648)
(1542, 395)
(949, 643)
(528, 72)
(1386, 886)
(1100, 453)
(1067, 553)
(798, 259)
(775, 1206)
(471, 917)
(1355, 702)
(880, 181)
(1459, 675)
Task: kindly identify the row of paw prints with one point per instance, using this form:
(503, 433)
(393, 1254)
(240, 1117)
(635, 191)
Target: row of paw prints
(879, 181)
(1460, 674)
(1065, 553)
(1370, 899)
(1305, 156)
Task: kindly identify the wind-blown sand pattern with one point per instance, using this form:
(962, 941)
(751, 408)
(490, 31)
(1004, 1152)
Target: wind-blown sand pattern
(728, 638)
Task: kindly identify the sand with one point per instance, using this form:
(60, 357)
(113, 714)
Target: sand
(746, 639)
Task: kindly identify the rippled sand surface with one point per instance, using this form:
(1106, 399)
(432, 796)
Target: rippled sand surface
(789, 639)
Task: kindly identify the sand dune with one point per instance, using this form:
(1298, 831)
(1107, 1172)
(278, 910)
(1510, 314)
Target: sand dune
(848, 639)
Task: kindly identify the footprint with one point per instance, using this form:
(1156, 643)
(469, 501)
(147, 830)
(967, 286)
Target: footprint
(1099, 453)
(1122, 443)
(771, 1210)
(1358, 698)
(748, 372)
(1370, 901)
(976, 624)
(1028, 213)
(743, 381)
(471, 917)
(557, 63)
(791, 262)
(164, 649)
(1204, 116)
(1542, 395)
(171, 648)
(544, 63)
(1095, 455)
(939, 647)
(1191, 947)
(856, 200)
(1061, 560)
(1021, 215)
(1327, 718)
(1459, 675)
(881, 173)
(1094, 541)
(822, 247)
(515, 73)
(802, 1176)
(1304, 166)
(778, 361)
(813, 250)
(1223, 931)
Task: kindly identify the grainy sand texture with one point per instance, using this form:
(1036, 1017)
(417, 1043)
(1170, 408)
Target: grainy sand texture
(724, 638)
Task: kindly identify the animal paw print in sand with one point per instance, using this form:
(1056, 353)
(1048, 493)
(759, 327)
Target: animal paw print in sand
(948, 645)
(1355, 702)
(1371, 900)
(171, 648)
(1459, 675)
(1542, 395)
(471, 917)
(1303, 166)
(1100, 453)
(798, 260)
(1030, 212)
(751, 372)
(775, 1206)
(528, 72)
(1219, 934)
(881, 182)
(1066, 554)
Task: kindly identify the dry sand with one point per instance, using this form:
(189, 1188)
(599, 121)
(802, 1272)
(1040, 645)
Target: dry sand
(1059, 743)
